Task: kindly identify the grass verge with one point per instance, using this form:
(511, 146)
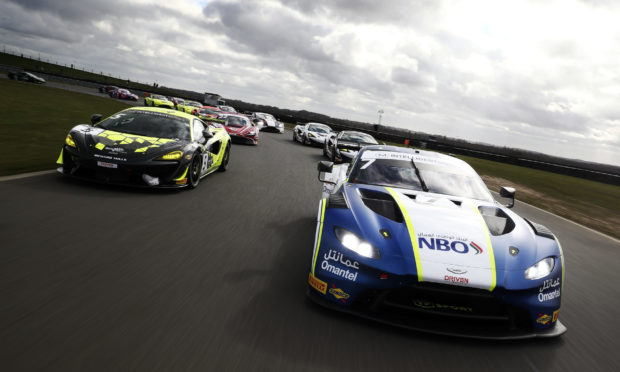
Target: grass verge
(34, 120)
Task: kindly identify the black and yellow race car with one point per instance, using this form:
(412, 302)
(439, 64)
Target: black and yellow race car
(149, 147)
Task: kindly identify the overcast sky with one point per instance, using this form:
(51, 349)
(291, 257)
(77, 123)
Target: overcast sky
(539, 75)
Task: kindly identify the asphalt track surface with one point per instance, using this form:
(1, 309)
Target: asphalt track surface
(94, 277)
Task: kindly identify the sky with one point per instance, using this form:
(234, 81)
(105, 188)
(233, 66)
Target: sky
(538, 75)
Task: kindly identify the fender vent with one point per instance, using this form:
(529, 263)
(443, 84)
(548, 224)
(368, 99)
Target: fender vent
(382, 204)
(540, 230)
(337, 201)
(497, 220)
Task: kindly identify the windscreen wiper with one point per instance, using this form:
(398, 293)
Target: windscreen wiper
(417, 173)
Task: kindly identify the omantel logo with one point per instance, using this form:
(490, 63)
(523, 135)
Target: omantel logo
(458, 246)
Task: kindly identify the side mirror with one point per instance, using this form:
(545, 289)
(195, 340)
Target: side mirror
(207, 134)
(325, 167)
(95, 118)
(508, 192)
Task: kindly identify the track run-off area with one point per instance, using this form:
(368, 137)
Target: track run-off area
(98, 277)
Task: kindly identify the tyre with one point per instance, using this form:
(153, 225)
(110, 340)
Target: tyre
(294, 137)
(67, 163)
(324, 152)
(224, 166)
(194, 171)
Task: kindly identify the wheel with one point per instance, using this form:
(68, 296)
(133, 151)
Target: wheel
(194, 171)
(225, 161)
(294, 137)
(333, 159)
(67, 163)
(324, 147)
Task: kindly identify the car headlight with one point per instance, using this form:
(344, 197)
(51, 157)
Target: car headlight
(356, 244)
(310, 135)
(540, 269)
(69, 141)
(251, 133)
(174, 155)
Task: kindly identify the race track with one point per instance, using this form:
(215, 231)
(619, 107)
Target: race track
(94, 277)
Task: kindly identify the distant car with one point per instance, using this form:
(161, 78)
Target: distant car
(344, 146)
(176, 101)
(145, 147)
(26, 76)
(415, 239)
(209, 113)
(311, 133)
(107, 88)
(190, 107)
(267, 123)
(123, 94)
(226, 108)
(241, 129)
(157, 100)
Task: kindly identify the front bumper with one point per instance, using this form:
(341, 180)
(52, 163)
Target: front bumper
(253, 140)
(168, 174)
(315, 141)
(426, 322)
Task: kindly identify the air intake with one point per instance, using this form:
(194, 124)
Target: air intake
(382, 204)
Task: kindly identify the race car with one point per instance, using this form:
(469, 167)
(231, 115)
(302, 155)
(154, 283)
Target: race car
(267, 123)
(190, 107)
(414, 238)
(25, 76)
(107, 88)
(123, 94)
(241, 129)
(157, 100)
(226, 108)
(345, 145)
(311, 133)
(145, 147)
(176, 101)
(211, 114)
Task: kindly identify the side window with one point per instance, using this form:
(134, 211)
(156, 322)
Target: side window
(197, 129)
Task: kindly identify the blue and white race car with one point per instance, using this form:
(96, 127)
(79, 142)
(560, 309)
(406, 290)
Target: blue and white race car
(415, 239)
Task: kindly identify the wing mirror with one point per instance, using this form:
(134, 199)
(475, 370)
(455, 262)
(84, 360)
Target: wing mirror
(325, 167)
(95, 118)
(207, 134)
(508, 192)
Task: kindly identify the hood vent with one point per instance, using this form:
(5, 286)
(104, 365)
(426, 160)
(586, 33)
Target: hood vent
(382, 204)
(540, 230)
(497, 220)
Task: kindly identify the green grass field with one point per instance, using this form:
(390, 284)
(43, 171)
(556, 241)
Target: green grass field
(34, 120)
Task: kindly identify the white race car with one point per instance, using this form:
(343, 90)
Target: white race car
(311, 133)
(267, 123)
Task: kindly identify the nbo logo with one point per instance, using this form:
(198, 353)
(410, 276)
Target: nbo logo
(446, 245)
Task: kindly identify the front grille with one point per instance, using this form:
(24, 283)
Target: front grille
(437, 305)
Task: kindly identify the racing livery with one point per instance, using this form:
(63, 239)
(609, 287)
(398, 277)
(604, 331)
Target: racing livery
(345, 145)
(121, 93)
(240, 128)
(149, 147)
(414, 238)
(311, 133)
(157, 100)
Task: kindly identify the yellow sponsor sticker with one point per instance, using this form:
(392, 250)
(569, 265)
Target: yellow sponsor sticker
(339, 293)
(317, 283)
(543, 319)
(555, 315)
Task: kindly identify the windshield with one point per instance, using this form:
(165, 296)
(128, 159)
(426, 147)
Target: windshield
(208, 112)
(151, 124)
(439, 177)
(123, 91)
(160, 97)
(318, 128)
(264, 116)
(195, 104)
(357, 137)
(237, 121)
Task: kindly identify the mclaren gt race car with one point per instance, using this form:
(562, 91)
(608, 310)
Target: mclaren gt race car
(123, 94)
(157, 100)
(345, 145)
(414, 238)
(311, 133)
(190, 107)
(241, 129)
(150, 147)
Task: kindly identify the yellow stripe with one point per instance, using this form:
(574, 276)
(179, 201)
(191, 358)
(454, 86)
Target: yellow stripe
(183, 176)
(489, 247)
(318, 240)
(414, 240)
(561, 259)
(59, 161)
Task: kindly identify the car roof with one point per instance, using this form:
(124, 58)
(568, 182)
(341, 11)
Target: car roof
(163, 111)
